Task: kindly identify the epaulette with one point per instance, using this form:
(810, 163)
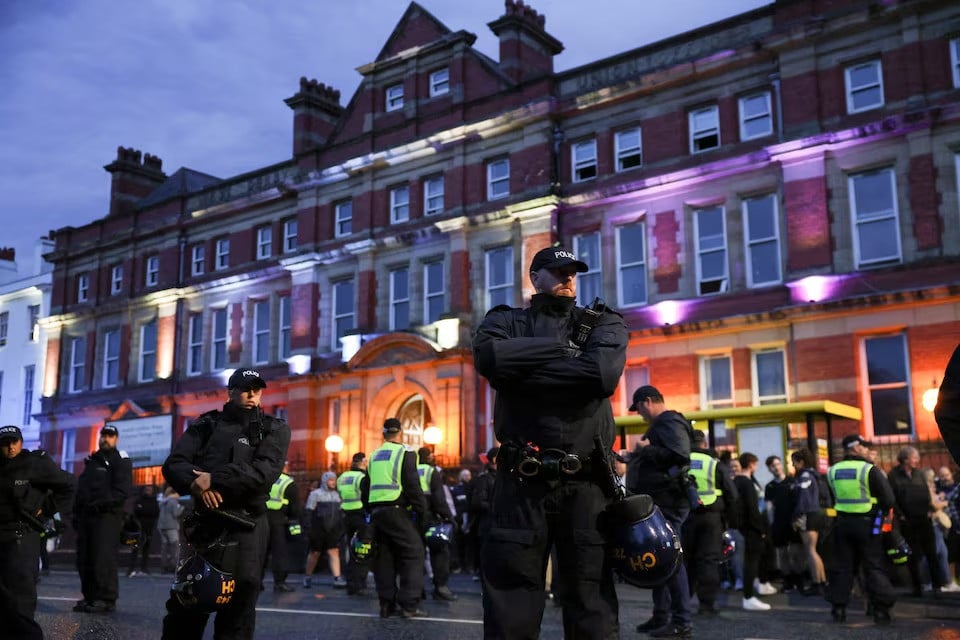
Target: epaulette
(123, 454)
(499, 307)
(39, 452)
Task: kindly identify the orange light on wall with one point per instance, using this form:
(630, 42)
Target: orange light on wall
(930, 397)
(166, 328)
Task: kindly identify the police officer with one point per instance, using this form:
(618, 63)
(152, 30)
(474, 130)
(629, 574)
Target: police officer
(438, 511)
(351, 486)
(703, 529)
(947, 411)
(283, 512)
(863, 496)
(395, 500)
(659, 467)
(554, 366)
(228, 460)
(26, 478)
(104, 485)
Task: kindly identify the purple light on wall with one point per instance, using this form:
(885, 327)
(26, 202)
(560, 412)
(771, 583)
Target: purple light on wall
(814, 288)
(670, 311)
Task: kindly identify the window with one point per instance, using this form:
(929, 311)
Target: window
(434, 291)
(590, 284)
(195, 344)
(711, 230)
(261, 332)
(439, 82)
(584, 157)
(955, 61)
(499, 274)
(222, 254)
(762, 238)
(632, 264)
(264, 242)
(111, 358)
(876, 221)
(399, 299)
(78, 364)
(768, 368)
(68, 449)
(716, 381)
(83, 287)
(29, 373)
(218, 354)
(4, 327)
(153, 271)
(290, 235)
(197, 260)
(399, 204)
(344, 316)
(395, 97)
(864, 86)
(285, 325)
(498, 179)
(148, 351)
(433, 195)
(1, 388)
(888, 385)
(704, 129)
(628, 148)
(33, 311)
(634, 377)
(344, 219)
(116, 279)
(755, 118)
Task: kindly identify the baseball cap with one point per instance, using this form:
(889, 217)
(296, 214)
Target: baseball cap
(10, 432)
(245, 379)
(109, 430)
(644, 392)
(556, 257)
(855, 439)
(392, 425)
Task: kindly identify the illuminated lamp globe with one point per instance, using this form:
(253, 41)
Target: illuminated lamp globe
(929, 398)
(432, 435)
(333, 443)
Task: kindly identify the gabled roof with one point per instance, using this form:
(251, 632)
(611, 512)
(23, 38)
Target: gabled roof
(182, 182)
(403, 38)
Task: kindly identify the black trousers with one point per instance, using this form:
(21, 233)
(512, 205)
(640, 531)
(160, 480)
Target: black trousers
(530, 518)
(19, 566)
(278, 555)
(918, 533)
(702, 538)
(237, 620)
(142, 550)
(98, 537)
(752, 555)
(856, 546)
(440, 563)
(357, 569)
(399, 556)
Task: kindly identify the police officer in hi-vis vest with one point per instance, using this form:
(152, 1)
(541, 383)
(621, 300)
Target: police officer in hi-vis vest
(351, 485)
(864, 498)
(283, 515)
(438, 512)
(395, 500)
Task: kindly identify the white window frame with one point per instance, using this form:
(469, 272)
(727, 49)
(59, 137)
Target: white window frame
(195, 344)
(706, 379)
(78, 364)
(699, 131)
(29, 382)
(622, 267)
(286, 326)
(4, 327)
(220, 343)
(867, 388)
(336, 317)
(498, 186)
(264, 242)
(261, 331)
(588, 247)
(751, 243)
(399, 304)
(83, 287)
(431, 295)
(890, 214)
(197, 259)
(111, 361)
(440, 82)
(343, 218)
(755, 354)
(116, 279)
(290, 235)
(222, 260)
(955, 61)
(400, 204)
(622, 154)
(852, 91)
(746, 118)
(152, 276)
(394, 97)
(494, 289)
(433, 195)
(724, 279)
(33, 313)
(148, 352)
(583, 160)
(68, 448)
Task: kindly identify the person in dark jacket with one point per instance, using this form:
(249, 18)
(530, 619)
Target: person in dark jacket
(481, 504)
(753, 526)
(27, 478)
(947, 411)
(228, 460)
(778, 496)
(463, 538)
(554, 366)
(438, 511)
(808, 517)
(146, 511)
(104, 486)
(659, 466)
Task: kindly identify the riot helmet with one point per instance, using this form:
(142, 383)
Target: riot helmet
(200, 586)
(439, 535)
(728, 546)
(645, 549)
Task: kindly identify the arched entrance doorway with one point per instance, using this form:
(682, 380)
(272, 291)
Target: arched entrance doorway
(414, 415)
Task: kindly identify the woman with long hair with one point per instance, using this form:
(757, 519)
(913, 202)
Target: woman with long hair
(808, 518)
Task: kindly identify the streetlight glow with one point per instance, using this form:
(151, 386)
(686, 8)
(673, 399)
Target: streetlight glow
(333, 443)
(432, 435)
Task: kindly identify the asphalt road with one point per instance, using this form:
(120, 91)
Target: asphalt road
(325, 613)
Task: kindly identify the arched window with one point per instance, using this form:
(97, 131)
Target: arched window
(414, 415)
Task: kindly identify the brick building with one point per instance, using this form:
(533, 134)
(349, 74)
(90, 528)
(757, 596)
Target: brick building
(770, 200)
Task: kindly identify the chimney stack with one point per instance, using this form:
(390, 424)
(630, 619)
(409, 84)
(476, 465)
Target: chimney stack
(316, 111)
(133, 179)
(8, 264)
(526, 49)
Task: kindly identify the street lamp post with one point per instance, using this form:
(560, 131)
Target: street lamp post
(334, 444)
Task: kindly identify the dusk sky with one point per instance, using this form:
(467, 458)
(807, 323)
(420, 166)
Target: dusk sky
(201, 83)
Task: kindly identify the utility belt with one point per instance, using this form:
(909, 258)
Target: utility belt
(551, 465)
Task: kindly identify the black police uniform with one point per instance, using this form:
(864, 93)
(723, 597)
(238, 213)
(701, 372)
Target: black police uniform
(947, 411)
(24, 483)
(481, 509)
(439, 511)
(279, 521)
(355, 520)
(104, 486)
(553, 395)
(244, 451)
